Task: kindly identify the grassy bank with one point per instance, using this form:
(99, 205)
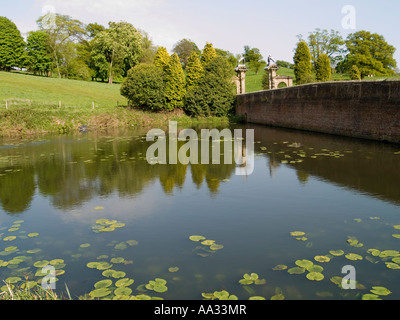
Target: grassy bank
(37, 105)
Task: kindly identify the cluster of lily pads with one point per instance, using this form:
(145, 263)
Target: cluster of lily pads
(106, 225)
(208, 246)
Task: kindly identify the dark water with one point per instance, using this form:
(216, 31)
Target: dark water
(53, 190)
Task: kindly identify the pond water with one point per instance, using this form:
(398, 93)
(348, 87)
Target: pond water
(93, 208)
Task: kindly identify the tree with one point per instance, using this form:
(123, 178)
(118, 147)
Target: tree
(64, 31)
(161, 59)
(148, 48)
(214, 94)
(175, 87)
(323, 41)
(194, 70)
(323, 69)
(121, 47)
(38, 52)
(370, 53)
(11, 45)
(144, 87)
(302, 63)
(208, 54)
(183, 49)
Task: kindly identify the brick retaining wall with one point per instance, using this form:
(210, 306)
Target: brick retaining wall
(360, 109)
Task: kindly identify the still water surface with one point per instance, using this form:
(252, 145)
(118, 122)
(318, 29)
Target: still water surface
(57, 193)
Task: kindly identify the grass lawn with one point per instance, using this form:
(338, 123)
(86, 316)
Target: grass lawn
(33, 107)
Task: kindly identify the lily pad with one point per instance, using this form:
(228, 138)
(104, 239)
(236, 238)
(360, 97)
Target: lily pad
(297, 233)
(380, 291)
(315, 268)
(122, 291)
(41, 264)
(197, 238)
(353, 256)
(279, 267)
(103, 284)
(125, 282)
(336, 253)
(118, 274)
(296, 270)
(216, 246)
(173, 269)
(208, 242)
(117, 260)
(100, 293)
(322, 258)
(370, 296)
(315, 276)
(391, 265)
(304, 263)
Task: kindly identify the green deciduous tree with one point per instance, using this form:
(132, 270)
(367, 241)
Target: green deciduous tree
(12, 45)
(208, 54)
(254, 58)
(194, 70)
(61, 34)
(323, 69)
(144, 87)
(38, 53)
(214, 94)
(184, 48)
(302, 63)
(323, 41)
(175, 86)
(121, 47)
(370, 53)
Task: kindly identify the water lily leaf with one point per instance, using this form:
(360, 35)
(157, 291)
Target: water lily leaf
(103, 265)
(84, 245)
(173, 269)
(132, 242)
(245, 281)
(120, 246)
(41, 264)
(315, 276)
(125, 282)
(56, 262)
(118, 274)
(336, 253)
(389, 253)
(380, 291)
(197, 238)
(280, 267)
(10, 238)
(304, 263)
(296, 270)
(99, 293)
(278, 296)
(397, 236)
(93, 265)
(11, 248)
(117, 260)
(208, 242)
(297, 233)
(103, 284)
(33, 234)
(216, 246)
(374, 252)
(28, 285)
(322, 258)
(397, 226)
(353, 256)
(315, 268)
(391, 265)
(123, 291)
(98, 208)
(13, 279)
(108, 273)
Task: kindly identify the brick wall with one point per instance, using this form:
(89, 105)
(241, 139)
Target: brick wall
(361, 109)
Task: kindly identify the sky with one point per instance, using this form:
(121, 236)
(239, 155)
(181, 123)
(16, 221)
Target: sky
(271, 26)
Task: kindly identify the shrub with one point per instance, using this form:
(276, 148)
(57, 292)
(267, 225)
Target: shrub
(323, 69)
(214, 94)
(144, 87)
(302, 63)
(355, 73)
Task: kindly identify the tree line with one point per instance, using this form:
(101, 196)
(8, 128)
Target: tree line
(361, 54)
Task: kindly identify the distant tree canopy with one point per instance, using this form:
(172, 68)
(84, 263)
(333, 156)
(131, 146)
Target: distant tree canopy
(184, 48)
(12, 45)
(370, 53)
(254, 58)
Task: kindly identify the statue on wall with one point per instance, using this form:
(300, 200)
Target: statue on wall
(241, 61)
(271, 61)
